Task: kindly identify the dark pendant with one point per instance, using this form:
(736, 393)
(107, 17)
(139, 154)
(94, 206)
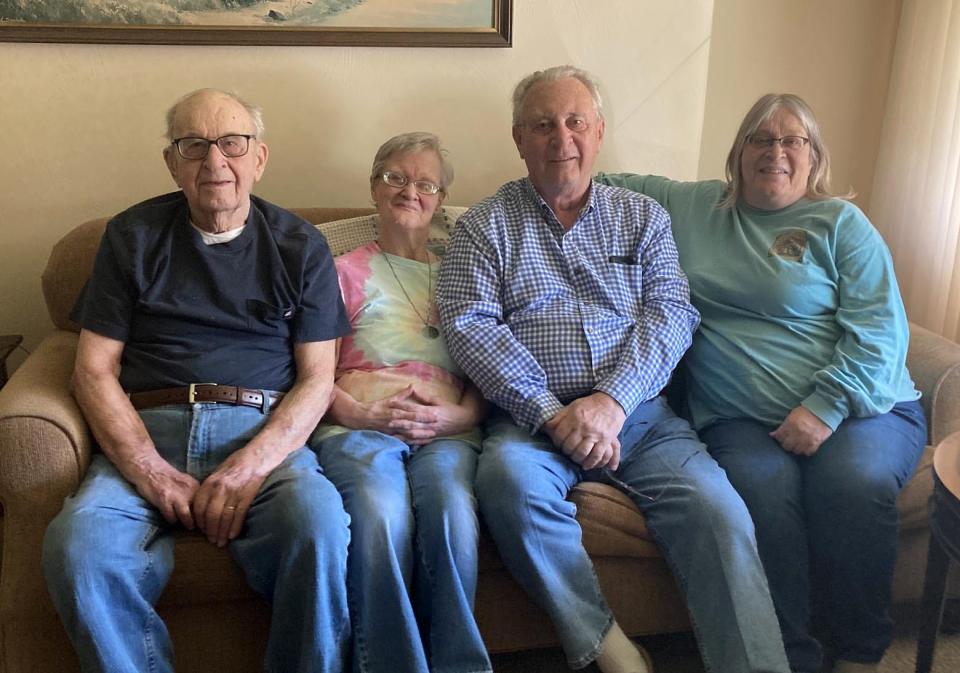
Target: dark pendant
(430, 332)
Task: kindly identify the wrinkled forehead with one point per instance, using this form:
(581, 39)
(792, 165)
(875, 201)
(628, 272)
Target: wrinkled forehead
(210, 115)
(561, 98)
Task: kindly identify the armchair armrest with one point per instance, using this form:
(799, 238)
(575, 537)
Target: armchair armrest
(934, 364)
(45, 449)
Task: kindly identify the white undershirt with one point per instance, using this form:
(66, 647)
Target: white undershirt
(222, 237)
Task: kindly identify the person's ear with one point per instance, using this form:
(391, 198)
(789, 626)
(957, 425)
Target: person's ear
(170, 158)
(517, 138)
(263, 152)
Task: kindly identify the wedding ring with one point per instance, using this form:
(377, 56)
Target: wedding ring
(230, 507)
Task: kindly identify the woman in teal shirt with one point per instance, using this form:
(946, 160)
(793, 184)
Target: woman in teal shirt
(797, 380)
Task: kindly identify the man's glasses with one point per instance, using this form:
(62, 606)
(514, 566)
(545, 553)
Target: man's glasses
(399, 180)
(231, 146)
(546, 127)
(786, 142)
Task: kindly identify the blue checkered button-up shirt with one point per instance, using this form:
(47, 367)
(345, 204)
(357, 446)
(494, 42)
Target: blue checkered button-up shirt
(538, 317)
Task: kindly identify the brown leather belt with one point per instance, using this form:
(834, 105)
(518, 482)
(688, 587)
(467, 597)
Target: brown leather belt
(205, 392)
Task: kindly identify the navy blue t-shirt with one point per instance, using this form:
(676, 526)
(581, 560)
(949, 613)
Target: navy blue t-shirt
(227, 313)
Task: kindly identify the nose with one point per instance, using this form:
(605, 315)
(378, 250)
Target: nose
(776, 148)
(214, 156)
(408, 191)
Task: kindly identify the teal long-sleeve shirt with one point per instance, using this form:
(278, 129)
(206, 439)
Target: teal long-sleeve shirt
(799, 306)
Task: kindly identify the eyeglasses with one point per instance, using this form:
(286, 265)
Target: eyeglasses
(545, 127)
(399, 180)
(235, 145)
(786, 142)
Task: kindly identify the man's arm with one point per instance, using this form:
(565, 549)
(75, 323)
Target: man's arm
(665, 325)
(471, 310)
(224, 498)
(122, 437)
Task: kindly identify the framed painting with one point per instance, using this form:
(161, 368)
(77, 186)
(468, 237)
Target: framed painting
(395, 23)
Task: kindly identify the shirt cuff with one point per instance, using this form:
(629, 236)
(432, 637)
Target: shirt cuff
(628, 398)
(825, 409)
(538, 410)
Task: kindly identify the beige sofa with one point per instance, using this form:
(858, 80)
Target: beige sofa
(217, 623)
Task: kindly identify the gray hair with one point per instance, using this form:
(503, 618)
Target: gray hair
(818, 183)
(255, 111)
(555, 74)
(410, 143)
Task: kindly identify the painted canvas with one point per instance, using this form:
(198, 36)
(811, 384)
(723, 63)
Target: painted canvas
(257, 21)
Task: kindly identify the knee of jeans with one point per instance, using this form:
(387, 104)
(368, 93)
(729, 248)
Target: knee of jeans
(69, 553)
(861, 496)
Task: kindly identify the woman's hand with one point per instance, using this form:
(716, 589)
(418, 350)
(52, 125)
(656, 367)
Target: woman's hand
(427, 417)
(802, 432)
(376, 415)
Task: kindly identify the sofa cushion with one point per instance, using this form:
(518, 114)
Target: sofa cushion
(347, 234)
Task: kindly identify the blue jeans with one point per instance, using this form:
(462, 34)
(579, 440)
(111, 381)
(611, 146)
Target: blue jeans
(108, 554)
(700, 523)
(827, 524)
(413, 551)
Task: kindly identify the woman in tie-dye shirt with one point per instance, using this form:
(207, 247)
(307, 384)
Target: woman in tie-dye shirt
(401, 440)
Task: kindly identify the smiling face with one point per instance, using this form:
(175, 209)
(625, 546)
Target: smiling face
(559, 138)
(217, 187)
(404, 207)
(774, 177)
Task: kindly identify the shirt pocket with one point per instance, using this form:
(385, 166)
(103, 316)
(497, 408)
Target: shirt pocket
(266, 317)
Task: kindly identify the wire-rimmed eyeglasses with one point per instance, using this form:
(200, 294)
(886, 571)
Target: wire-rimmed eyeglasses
(399, 180)
(763, 141)
(232, 146)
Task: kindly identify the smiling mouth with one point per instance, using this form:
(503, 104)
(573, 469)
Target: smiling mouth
(775, 171)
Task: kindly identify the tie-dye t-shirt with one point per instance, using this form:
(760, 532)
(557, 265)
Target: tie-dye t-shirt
(387, 350)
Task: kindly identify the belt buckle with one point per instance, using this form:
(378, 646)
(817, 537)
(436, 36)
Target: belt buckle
(192, 391)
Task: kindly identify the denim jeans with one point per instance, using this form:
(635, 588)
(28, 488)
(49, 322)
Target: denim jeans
(700, 523)
(413, 552)
(827, 525)
(108, 554)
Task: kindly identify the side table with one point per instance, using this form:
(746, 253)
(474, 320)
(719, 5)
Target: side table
(944, 545)
(8, 344)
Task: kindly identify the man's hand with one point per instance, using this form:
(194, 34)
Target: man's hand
(221, 503)
(802, 432)
(586, 431)
(166, 488)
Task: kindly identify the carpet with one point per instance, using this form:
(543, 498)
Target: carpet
(677, 653)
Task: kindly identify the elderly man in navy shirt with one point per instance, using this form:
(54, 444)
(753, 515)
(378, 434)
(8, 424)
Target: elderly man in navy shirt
(564, 301)
(208, 283)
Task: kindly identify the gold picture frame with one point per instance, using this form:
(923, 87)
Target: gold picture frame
(498, 34)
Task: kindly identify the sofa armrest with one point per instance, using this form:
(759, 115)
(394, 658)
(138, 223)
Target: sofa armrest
(934, 364)
(44, 451)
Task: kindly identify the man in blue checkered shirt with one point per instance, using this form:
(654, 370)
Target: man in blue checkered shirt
(563, 300)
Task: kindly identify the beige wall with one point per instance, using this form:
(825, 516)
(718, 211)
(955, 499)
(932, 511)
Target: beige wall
(835, 54)
(83, 123)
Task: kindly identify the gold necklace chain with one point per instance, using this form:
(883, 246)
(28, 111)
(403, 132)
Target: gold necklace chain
(428, 330)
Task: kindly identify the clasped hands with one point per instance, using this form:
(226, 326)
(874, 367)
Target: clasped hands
(218, 506)
(415, 417)
(587, 431)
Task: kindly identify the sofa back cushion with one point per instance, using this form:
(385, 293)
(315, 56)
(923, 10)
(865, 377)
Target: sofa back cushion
(71, 260)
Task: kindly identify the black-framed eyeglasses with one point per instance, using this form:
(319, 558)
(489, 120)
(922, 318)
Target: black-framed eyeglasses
(399, 180)
(786, 142)
(233, 145)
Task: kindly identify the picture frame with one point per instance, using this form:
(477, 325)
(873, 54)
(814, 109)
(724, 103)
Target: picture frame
(498, 34)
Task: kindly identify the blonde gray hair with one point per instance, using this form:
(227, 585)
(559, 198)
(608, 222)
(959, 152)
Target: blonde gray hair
(410, 143)
(555, 74)
(255, 111)
(818, 182)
